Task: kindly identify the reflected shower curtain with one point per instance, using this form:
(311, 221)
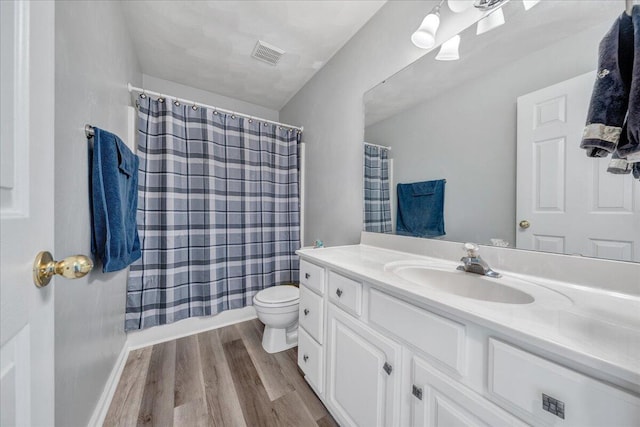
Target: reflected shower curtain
(218, 212)
(377, 206)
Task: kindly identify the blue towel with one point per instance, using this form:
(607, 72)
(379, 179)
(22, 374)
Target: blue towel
(421, 209)
(114, 201)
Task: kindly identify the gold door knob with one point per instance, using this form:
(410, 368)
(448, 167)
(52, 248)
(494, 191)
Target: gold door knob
(73, 267)
(524, 224)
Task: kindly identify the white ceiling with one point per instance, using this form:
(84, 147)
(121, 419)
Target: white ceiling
(207, 44)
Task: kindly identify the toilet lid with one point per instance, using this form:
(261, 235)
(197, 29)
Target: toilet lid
(278, 294)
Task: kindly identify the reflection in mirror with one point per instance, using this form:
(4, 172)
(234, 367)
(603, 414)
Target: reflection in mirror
(502, 126)
(377, 209)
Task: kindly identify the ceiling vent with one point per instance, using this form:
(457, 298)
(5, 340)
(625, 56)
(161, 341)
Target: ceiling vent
(267, 53)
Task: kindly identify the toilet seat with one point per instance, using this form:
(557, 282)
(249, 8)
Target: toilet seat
(277, 296)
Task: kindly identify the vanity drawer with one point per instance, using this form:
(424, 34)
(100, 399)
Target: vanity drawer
(312, 276)
(310, 359)
(529, 383)
(311, 313)
(346, 293)
(436, 336)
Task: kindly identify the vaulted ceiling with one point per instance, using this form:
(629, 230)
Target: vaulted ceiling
(207, 44)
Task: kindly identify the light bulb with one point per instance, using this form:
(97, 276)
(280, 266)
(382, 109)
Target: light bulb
(449, 51)
(425, 35)
(459, 6)
(491, 21)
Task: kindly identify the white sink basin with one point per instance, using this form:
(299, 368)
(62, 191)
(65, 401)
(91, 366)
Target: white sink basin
(467, 285)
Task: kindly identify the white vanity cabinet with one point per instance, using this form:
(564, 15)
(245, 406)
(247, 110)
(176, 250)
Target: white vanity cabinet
(362, 372)
(377, 358)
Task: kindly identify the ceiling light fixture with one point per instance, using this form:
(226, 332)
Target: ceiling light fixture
(449, 51)
(487, 5)
(491, 21)
(459, 6)
(425, 36)
(528, 4)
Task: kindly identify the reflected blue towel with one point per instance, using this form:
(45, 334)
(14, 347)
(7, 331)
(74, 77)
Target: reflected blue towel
(421, 209)
(114, 201)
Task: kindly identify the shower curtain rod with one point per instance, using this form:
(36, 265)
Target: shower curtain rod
(376, 145)
(199, 104)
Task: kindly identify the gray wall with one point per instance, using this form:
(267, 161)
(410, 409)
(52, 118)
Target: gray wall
(468, 136)
(206, 97)
(94, 62)
(330, 108)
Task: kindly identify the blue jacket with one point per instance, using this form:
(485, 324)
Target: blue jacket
(613, 121)
(114, 202)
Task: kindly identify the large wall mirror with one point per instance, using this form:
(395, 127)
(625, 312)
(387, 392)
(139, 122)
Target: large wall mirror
(502, 125)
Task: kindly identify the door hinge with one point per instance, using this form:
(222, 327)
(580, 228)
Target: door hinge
(417, 392)
(387, 368)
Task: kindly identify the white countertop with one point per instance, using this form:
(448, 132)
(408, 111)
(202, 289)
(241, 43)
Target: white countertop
(595, 328)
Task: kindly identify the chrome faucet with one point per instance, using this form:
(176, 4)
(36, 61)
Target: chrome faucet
(472, 263)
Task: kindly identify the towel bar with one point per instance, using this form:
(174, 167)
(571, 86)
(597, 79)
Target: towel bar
(88, 131)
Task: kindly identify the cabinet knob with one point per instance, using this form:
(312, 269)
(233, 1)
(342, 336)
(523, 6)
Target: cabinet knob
(305, 358)
(417, 392)
(307, 275)
(339, 292)
(387, 368)
(306, 311)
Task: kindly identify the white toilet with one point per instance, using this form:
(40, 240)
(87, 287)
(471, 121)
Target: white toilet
(277, 308)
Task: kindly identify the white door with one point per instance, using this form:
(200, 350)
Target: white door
(26, 214)
(570, 201)
(363, 373)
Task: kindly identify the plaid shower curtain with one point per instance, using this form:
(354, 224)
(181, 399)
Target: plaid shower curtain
(218, 212)
(377, 206)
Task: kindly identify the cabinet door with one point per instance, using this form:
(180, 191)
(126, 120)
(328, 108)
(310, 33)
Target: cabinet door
(363, 373)
(438, 401)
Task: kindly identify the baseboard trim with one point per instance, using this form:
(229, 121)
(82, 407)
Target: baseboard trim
(158, 334)
(102, 407)
(186, 327)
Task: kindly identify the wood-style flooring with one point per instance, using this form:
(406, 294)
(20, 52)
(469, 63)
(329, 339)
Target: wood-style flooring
(221, 377)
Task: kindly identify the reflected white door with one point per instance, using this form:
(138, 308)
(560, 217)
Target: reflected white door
(26, 189)
(570, 201)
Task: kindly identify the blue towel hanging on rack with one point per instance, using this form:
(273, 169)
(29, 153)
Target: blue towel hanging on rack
(114, 202)
(421, 209)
